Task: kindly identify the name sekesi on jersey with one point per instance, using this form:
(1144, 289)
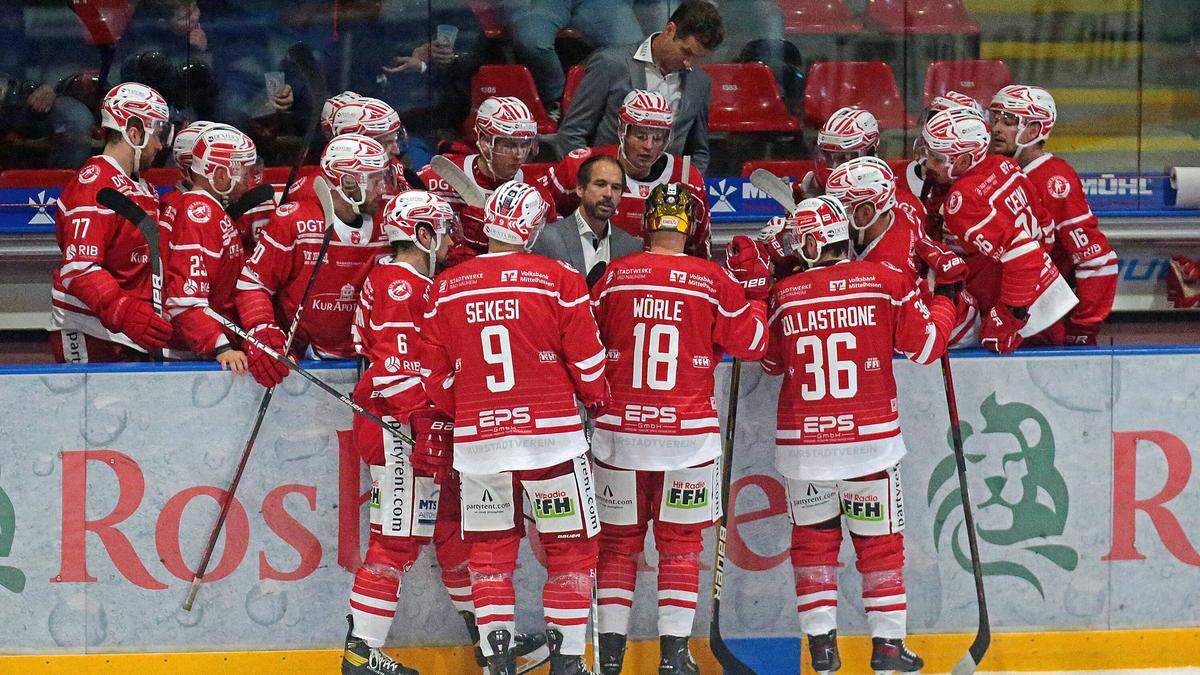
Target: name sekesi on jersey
(284, 260)
(95, 240)
(833, 330)
(511, 348)
(560, 180)
(665, 321)
(386, 330)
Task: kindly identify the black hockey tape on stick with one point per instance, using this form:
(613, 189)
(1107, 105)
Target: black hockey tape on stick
(293, 366)
(255, 196)
(724, 655)
(983, 635)
(126, 208)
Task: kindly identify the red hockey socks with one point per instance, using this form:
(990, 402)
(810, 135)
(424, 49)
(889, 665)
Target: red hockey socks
(881, 563)
(616, 577)
(678, 577)
(376, 589)
(567, 595)
(491, 564)
(815, 561)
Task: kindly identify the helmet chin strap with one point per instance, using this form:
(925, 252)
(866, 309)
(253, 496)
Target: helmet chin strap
(1021, 127)
(431, 252)
(137, 149)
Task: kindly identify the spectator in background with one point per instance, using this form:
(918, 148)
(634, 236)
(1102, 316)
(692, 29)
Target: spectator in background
(663, 63)
(58, 115)
(535, 23)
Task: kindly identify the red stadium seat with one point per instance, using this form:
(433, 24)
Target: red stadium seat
(818, 17)
(574, 77)
(746, 98)
(868, 84)
(795, 168)
(164, 177)
(978, 79)
(509, 80)
(36, 178)
(921, 17)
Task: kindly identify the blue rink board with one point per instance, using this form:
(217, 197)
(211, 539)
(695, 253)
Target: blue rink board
(190, 366)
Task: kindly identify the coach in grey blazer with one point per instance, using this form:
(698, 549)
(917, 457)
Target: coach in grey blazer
(662, 63)
(587, 240)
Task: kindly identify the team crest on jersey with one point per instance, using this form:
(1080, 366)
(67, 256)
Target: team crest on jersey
(392, 363)
(89, 174)
(579, 153)
(355, 237)
(399, 290)
(199, 212)
(1058, 186)
(287, 209)
(954, 202)
(644, 191)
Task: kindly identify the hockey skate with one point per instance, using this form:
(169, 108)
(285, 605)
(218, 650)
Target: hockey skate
(612, 653)
(529, 648)
(503, 660)
(361, 659)
(674, 657)
(563, 664)
(888, 656)
(824, 652)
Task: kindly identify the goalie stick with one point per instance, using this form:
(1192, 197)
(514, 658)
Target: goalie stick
(728, 660)
(775, 187)
(126, 208)
(448, 171)
(983, 635)
(306, 374)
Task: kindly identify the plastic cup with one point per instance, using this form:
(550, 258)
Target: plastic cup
(275, 82)
(447, 34)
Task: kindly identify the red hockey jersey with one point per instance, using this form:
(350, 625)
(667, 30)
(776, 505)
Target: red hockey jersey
(509, 344)
(95, 240)
(468, 239)
(283, 262)
(387, 330)
(560, 180)
(666, 321)
(833, 330)
(1080, 250)
(205, 259)
(992, 210)
(897, 245)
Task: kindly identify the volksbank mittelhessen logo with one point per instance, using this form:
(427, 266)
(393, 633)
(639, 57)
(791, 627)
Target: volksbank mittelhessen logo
(1023, 507)
(10, 577)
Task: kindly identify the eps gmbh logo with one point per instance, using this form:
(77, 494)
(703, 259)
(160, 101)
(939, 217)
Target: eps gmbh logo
(1021, 511)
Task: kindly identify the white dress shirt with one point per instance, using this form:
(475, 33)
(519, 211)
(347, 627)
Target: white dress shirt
(595, 249)
(668, 85)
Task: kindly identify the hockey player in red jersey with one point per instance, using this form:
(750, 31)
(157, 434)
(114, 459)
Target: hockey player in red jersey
(644, 132)
(912, 180)
(274, 278)
(101, 309)
(1021, 119)
(511, 347)
(833, 330)
(990, 209)
(889, 228)
(181, 152)
(849, 132)
(507, 138)
(205, 251)
(666, 320)
(375, 119)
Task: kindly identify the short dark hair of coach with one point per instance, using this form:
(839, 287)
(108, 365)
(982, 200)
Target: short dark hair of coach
(662, 63)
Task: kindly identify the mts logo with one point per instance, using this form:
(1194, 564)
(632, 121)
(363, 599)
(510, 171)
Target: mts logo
(860, 510)
(427, 504)
(687, 498)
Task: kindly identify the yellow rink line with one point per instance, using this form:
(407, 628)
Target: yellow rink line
(1094, 143)
(1059, 51)
(1060, 650)
(1151, 96)
(1034, 7)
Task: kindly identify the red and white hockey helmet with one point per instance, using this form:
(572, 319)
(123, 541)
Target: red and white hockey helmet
(1028, 104)
(221, 147)
(953, 133)
(330, 108)
(953, 99)
(181, 147)
(863, 180)
(358, 168)
(407, 211)
(642, 108)
(507, 118)
(824, 219)
(367, 116)
(849, 132)
(514, 214)
(130, 100)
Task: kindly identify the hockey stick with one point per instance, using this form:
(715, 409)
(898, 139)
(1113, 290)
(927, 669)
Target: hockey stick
(127, 209)
(983, 636)
(775, 187)
(321, 188)
(306, 374)
(728, 660)
(301, 55)
(449, 172)
(259, 194)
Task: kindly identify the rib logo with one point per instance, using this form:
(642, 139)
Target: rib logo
(1023, 507)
